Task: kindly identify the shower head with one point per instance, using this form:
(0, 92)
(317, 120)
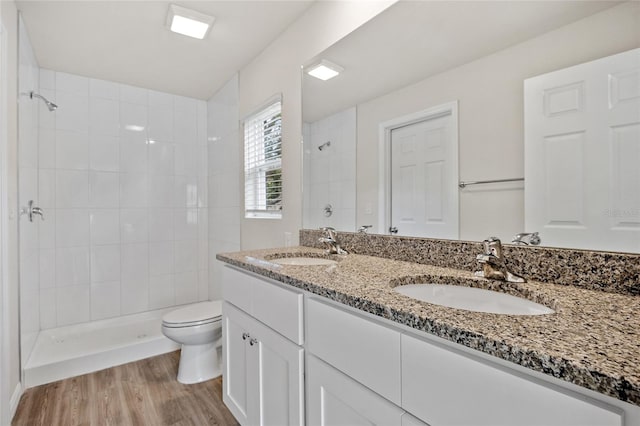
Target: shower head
(49, 104)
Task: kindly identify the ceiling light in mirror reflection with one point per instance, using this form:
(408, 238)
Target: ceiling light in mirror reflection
(324, 70)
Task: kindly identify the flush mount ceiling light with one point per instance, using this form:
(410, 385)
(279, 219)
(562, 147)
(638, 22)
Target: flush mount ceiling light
(324, 70)
(188, 22)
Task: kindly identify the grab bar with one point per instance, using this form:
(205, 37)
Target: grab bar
(462, 184)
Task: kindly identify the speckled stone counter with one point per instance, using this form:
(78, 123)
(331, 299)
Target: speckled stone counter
(592, 340)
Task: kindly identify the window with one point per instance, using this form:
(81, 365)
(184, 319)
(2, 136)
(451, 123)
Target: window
(263, 162)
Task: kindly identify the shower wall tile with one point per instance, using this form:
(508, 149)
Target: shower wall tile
(161, 258)
(105, 226)
(132, 94)
(105, 263)
(47, 189)
(72, 266)
(48, 308)
(72, 227)
(47, 230)
(161, 191)
(71, 150)
(73, 84)
(104, 190)
(134, 296)
(105, 300)
(72, 189)
(103, 89)
(47, 268)
(104, 117)
(47, 79)
(73, 305)
(162, 291)
(133, 154)
(134, 226)
(133, 190)
(123, 176)
(161, 224)
(47, 120)
(104, 153)
(187, 287)
(73, 113)
(161, 158)
(46, 148)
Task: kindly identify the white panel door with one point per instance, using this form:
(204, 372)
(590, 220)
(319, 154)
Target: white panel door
(582, 154)
(424, 193)
(335, 399)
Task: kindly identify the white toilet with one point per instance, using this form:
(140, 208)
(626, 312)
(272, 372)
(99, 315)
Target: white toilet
(198, 328)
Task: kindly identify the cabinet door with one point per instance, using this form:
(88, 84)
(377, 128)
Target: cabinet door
(263, 373)
(236, 365)
(280, 378)
(334, 398)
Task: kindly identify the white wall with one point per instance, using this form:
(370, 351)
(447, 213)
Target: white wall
(122, 181)
(277, 70)
(329, 175)
(225, 174)
(490, 95)
(9, 354)
(28, 80)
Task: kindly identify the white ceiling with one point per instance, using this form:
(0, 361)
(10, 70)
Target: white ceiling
(411, 41)
(127, 41)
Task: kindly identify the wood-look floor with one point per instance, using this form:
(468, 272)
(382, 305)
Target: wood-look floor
(140, 393)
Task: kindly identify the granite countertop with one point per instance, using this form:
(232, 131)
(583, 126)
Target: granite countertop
(592, 340)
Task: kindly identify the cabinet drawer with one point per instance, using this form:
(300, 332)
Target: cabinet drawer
(264, 299)
(360, 348)
(446, 387)
(237, 289)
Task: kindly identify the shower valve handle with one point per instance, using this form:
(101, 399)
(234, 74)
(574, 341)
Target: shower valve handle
(31, 210)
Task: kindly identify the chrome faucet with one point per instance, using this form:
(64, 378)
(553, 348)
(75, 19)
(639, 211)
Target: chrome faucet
(493, 265)
(527, 238)
(331, 241)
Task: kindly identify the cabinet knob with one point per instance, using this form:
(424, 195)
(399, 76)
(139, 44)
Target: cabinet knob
(245, 336)
(253, 341)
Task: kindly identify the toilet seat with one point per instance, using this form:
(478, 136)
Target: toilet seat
(194, 315)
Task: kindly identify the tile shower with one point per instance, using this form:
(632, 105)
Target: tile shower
(121, 175)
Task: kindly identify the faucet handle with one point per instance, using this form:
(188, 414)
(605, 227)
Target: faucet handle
(331, 232)
(533, 237)
(364, 228)
(493, 246)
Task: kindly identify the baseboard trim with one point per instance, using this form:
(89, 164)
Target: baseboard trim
(15, 400)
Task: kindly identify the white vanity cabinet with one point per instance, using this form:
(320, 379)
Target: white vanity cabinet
(263, 370)
(365, 370)
(421, 381)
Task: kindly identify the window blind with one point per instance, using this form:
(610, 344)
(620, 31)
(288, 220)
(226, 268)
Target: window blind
(263, 162)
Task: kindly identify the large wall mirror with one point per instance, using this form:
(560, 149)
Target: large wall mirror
(432, 94)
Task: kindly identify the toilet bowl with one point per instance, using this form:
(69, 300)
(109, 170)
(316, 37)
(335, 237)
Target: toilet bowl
(198, 328)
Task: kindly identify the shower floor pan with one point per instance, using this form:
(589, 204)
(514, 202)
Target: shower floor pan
(69, 351)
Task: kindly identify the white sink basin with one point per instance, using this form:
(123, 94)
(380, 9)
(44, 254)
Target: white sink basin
(473, 299)
(303, 261)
